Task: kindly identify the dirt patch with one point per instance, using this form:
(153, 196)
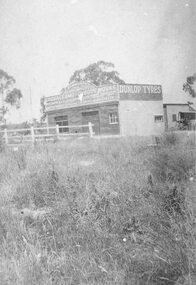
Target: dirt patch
(86, 162)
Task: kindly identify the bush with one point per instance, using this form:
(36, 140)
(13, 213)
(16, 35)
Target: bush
(169, 139)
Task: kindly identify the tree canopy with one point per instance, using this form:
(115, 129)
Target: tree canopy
(98, 73)
(189, 85)
(5, 80)
(13, 97)
(8, 93)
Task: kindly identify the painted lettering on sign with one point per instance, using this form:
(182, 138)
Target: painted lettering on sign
(82, 94)
(140, 89)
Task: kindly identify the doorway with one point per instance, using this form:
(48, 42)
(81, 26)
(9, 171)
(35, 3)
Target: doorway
(93, 117)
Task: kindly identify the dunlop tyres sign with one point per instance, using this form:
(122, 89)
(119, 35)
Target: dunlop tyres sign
(85, 93)
(140, 92)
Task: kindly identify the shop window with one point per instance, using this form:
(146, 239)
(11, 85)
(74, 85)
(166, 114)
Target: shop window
(62, 122)
(158, 119)
(174, 119)
(113, 118)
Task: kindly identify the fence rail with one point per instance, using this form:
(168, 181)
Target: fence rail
(18, 136)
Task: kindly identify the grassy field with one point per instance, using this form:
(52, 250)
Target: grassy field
(87, 211)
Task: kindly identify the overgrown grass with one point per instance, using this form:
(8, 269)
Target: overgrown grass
(109, 211)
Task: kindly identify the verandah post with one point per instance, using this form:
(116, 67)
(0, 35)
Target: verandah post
(5, 136)
(90, 126)
(47, 126)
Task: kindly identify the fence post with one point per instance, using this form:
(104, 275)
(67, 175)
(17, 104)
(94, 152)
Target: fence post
(5, 136)
(57, 131)
(32, 134)
(47, 124)
(90, 129)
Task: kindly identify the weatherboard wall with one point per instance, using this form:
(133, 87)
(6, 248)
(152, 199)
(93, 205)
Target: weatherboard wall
(76, 116)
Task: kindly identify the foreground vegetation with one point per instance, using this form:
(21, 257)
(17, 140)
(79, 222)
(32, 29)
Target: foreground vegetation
(112, 211)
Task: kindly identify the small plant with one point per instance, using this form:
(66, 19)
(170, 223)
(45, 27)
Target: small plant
(169, 139)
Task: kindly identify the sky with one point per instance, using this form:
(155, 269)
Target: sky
(44, 41)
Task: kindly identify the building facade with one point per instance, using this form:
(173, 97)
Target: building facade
(130, 109)
(176, 112)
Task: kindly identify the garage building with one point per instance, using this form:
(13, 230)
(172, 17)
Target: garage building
(129, 109)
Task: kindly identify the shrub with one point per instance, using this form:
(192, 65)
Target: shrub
(169, 139)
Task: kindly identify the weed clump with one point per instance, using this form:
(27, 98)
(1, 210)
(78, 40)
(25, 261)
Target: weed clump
(172, 165)
(169, 139)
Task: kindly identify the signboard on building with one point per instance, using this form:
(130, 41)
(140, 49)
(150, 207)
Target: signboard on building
(80, 94)
(84, 93)
(140, 92)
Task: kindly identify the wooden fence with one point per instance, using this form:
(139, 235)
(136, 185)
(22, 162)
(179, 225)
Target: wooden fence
(32, 135)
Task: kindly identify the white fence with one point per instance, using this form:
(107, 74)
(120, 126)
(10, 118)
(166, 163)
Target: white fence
(31, 135)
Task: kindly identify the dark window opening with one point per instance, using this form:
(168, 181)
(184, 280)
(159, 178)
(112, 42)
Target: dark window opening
(158, 118)
(62, 122)
(187, 120)
(174, 118)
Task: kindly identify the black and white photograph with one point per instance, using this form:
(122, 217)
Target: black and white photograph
(97, 142)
